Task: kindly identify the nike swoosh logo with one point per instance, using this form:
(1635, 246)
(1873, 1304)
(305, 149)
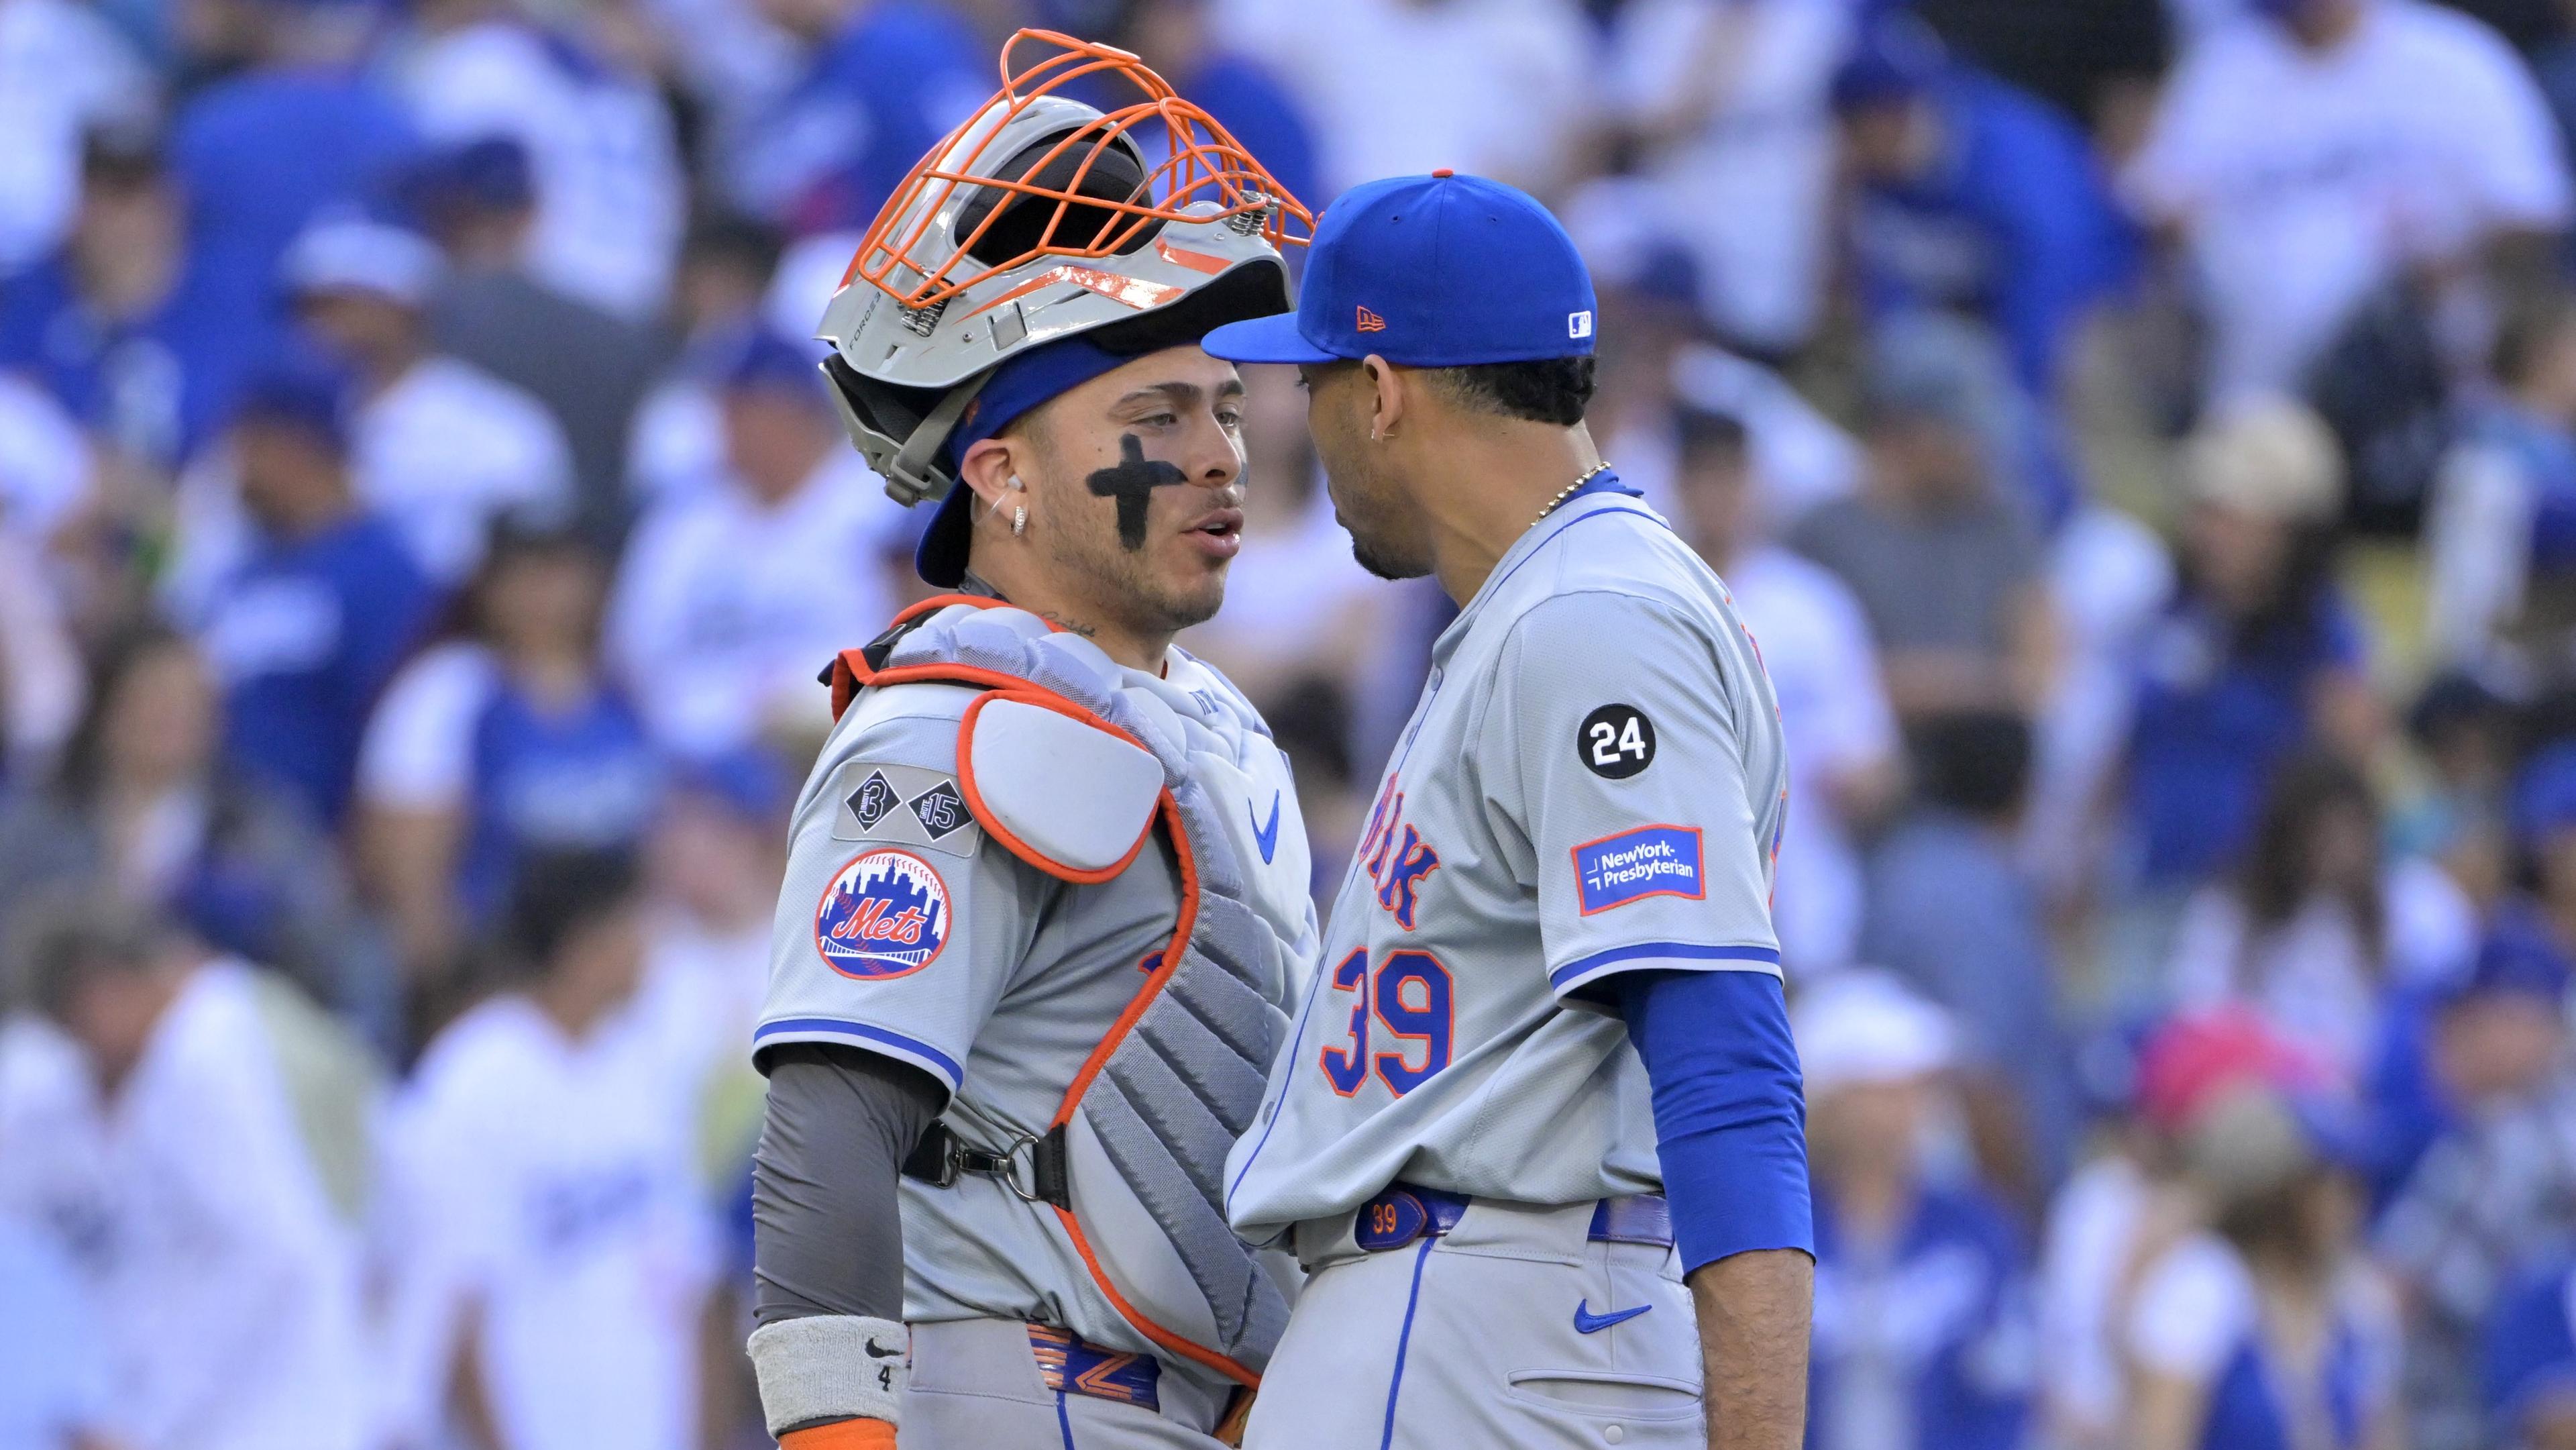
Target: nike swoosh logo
(875, 1353)
(1266, 837)
(1587, 1322)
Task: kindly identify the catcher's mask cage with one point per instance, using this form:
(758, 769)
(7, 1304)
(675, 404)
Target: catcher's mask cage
(1039, 218)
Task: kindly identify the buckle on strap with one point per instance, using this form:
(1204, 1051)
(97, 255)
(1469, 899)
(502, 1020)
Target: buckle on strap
(941, 1158)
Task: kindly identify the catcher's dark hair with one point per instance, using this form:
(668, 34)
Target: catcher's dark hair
(1550, 390)
(557, 895)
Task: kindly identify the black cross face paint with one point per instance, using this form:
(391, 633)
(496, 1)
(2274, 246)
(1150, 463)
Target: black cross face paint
(1132, 481)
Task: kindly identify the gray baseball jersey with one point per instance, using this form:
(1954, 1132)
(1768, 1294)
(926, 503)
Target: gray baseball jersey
(903, 929)
(1592, 783)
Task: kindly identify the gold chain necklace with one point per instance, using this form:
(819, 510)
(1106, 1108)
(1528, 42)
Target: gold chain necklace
(1589, 474)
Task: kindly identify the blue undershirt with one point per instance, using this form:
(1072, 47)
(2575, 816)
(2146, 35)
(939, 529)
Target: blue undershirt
(1730, 1110)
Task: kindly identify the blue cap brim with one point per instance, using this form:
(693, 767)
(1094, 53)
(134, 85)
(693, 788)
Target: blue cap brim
(1273, 339)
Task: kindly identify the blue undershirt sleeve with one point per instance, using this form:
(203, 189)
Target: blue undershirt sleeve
(1730, 1110)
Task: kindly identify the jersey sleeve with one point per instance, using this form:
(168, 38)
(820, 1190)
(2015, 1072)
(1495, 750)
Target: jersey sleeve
(900, 925)
(1615, 743)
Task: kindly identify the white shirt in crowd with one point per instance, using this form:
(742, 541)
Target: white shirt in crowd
(1507, 99)
(2304, 181)
(2312, 978)
(1834, 710)
(2086, 1261)
(47, 469)
(727, 607)
(2108, 578)
(545, 1197)
(64, 69)
(2196, 1305)
(447, 450)
(611, 201)
(227, 1281)
(1746, 190)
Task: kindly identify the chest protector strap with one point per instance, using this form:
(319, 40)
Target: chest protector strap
(1073, 766)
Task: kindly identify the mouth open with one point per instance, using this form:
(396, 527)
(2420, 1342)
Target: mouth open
(1220, 533)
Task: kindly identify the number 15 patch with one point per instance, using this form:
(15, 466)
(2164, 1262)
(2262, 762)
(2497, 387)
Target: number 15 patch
(1633, 865)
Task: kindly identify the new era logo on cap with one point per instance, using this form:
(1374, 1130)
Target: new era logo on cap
(1479, 273)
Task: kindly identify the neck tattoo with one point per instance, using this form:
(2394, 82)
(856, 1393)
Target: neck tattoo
(1132, 481)
(1589, 474)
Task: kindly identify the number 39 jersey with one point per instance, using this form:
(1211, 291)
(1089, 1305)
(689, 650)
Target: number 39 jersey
(1593, 783)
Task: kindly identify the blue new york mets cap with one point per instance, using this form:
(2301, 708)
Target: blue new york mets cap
(1437, 271)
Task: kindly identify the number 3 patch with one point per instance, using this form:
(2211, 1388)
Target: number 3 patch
(1616, 741)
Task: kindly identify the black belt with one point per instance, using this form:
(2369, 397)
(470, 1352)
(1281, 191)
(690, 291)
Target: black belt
(941, 1158)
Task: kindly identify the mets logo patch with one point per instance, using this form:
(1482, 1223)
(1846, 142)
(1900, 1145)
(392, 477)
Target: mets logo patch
(1633, 865)
(885, 915)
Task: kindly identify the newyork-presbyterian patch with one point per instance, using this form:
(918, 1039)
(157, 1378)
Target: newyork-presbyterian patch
(884, 915)
(1633, 865)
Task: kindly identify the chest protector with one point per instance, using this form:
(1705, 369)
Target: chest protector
(1072, 765)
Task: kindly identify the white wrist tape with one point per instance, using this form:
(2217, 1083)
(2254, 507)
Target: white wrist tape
(830, 1367)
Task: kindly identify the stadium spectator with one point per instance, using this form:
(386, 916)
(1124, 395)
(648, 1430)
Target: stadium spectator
(677, 441)
(1922, 1334)
(2257, 656)
(439, 447)
(1729, 107)
(2310, 151)
(1185, 42)
(1844, 761)
(559, 1239)
(2313, 930)
(1974, 196)
(720, 650)
(505, 742)
(2501, 531)
(141, 806)
(883, 81)
(1953, 911)
(2268, 1326)
(2530, 1364)
(307, 629)
(54, 1387)
(1510, 100)
(64, 71)
(173, 1122)
(259, 154)
(608, 190)
(109, 323)
(1934, 546)
(588, 367)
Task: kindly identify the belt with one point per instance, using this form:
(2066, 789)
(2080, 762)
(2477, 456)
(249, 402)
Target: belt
(1070, 1364)
(1405, 1213)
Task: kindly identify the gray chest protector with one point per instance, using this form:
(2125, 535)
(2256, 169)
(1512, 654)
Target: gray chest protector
(1072, 764)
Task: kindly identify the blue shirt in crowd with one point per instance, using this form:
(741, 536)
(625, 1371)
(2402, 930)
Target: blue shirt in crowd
(545, 778)
(873, 101)
(2012, 222)
(1927, 1346)
(156, 385)
(2245, 1408)
(304, 637)
(258, 155)
(2216, 717)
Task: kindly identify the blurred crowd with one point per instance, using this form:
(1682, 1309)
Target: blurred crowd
(2142, 434)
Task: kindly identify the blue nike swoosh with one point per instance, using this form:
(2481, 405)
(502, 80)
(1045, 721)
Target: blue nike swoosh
(1266, 837)
(1587, 1322)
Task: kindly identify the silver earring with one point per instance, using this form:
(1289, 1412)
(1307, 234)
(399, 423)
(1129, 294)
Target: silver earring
(1019, 520)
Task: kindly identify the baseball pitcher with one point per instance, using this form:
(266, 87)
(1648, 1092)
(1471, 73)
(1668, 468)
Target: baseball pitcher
(1537, 1135)
(1048, 891)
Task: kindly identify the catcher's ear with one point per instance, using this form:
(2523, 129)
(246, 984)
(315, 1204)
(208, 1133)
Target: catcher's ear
(991, 468)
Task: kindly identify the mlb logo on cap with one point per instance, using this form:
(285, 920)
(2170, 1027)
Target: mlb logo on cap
(1437, 271)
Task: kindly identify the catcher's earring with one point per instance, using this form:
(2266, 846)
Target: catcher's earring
(1019, 512)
